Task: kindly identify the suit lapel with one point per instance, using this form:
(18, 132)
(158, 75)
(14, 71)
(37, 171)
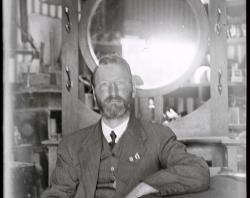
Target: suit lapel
(89, 157)
(133, 152)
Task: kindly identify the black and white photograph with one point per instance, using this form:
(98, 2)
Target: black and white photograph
(124, 98)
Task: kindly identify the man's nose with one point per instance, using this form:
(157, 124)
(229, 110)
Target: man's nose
(113, 89)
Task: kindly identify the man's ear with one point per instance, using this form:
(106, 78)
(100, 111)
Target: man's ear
(93, 90)
(133, 88)
(137, 81)
(134, 91)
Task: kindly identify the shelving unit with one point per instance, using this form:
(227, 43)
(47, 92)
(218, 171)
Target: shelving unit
(236, 67)
(236, 45)
(236, 41)
(35, 107)
(39, 90)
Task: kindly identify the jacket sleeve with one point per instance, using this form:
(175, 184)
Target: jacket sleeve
(181, 172)
(64, 178)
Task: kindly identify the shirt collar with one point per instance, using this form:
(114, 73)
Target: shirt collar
(119, 130)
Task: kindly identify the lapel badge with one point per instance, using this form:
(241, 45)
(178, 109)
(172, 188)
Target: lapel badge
(114, 184)
(131, 159)
(137, 156)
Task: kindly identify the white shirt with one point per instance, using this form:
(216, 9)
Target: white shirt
(119, 130)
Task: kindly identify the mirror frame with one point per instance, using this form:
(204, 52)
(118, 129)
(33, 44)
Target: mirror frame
(87, 12)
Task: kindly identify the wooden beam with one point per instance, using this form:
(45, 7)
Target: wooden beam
(159, 106)
(75, 114)
(24, 19)
(219, 101)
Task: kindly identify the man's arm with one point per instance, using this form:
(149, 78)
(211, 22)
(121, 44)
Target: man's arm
(181, 172)
(64, 177)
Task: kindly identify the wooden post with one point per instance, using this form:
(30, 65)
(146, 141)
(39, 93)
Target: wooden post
(70, 60)
(23, 19)
(75, 114)
(159, 106)
(144, 112)
(219, 100)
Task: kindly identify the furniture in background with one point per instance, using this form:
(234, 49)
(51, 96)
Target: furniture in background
(236, 66)
(37, 118)
(220, 186)
(34, 54)
(24, 180)
(52, 155)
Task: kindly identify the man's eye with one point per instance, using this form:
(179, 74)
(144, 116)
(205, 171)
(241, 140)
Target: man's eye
(105, 84)
(122, 83)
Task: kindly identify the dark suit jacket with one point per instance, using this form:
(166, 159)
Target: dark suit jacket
(163, 164)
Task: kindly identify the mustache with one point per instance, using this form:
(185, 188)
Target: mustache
(117, 98)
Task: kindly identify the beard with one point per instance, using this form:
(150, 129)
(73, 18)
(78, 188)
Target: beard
(113, 107)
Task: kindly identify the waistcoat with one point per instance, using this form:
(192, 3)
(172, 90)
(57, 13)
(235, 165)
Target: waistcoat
(107, 181)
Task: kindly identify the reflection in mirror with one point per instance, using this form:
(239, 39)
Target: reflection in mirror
(160, 39)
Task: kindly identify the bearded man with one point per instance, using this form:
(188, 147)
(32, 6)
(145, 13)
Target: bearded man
(120, 155)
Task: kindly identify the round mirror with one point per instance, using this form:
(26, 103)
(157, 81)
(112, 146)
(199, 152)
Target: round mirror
(164, 41)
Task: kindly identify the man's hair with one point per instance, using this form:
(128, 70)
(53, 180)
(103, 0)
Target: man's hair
(111, 59)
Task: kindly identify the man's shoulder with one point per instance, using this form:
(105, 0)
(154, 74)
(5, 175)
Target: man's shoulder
(76, 138)
(152, 128)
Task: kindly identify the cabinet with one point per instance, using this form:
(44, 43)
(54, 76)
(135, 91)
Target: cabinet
(37, 118)
(35, 68)
(41, 104)
(236, 65)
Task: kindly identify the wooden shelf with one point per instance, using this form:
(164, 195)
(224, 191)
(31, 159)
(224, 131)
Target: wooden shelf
(36, 109)
(54, 142)
(235, 3)
(31, 91)
(21, 51)
(16, 164)
(236, 41)
(191, 85)
(40, 89)
(237, 89)
(237, 127)
(234, 20)
(237, 84)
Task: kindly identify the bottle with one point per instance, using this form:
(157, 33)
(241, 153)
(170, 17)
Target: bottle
(17, 136)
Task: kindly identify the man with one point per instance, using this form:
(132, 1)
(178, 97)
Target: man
(121, 156)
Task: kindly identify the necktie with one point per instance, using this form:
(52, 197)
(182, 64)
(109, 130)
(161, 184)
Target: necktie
(113, 136)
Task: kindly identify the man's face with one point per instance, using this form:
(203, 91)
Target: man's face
(113, 90)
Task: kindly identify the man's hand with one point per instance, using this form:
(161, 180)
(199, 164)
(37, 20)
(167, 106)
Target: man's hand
(140, 190)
